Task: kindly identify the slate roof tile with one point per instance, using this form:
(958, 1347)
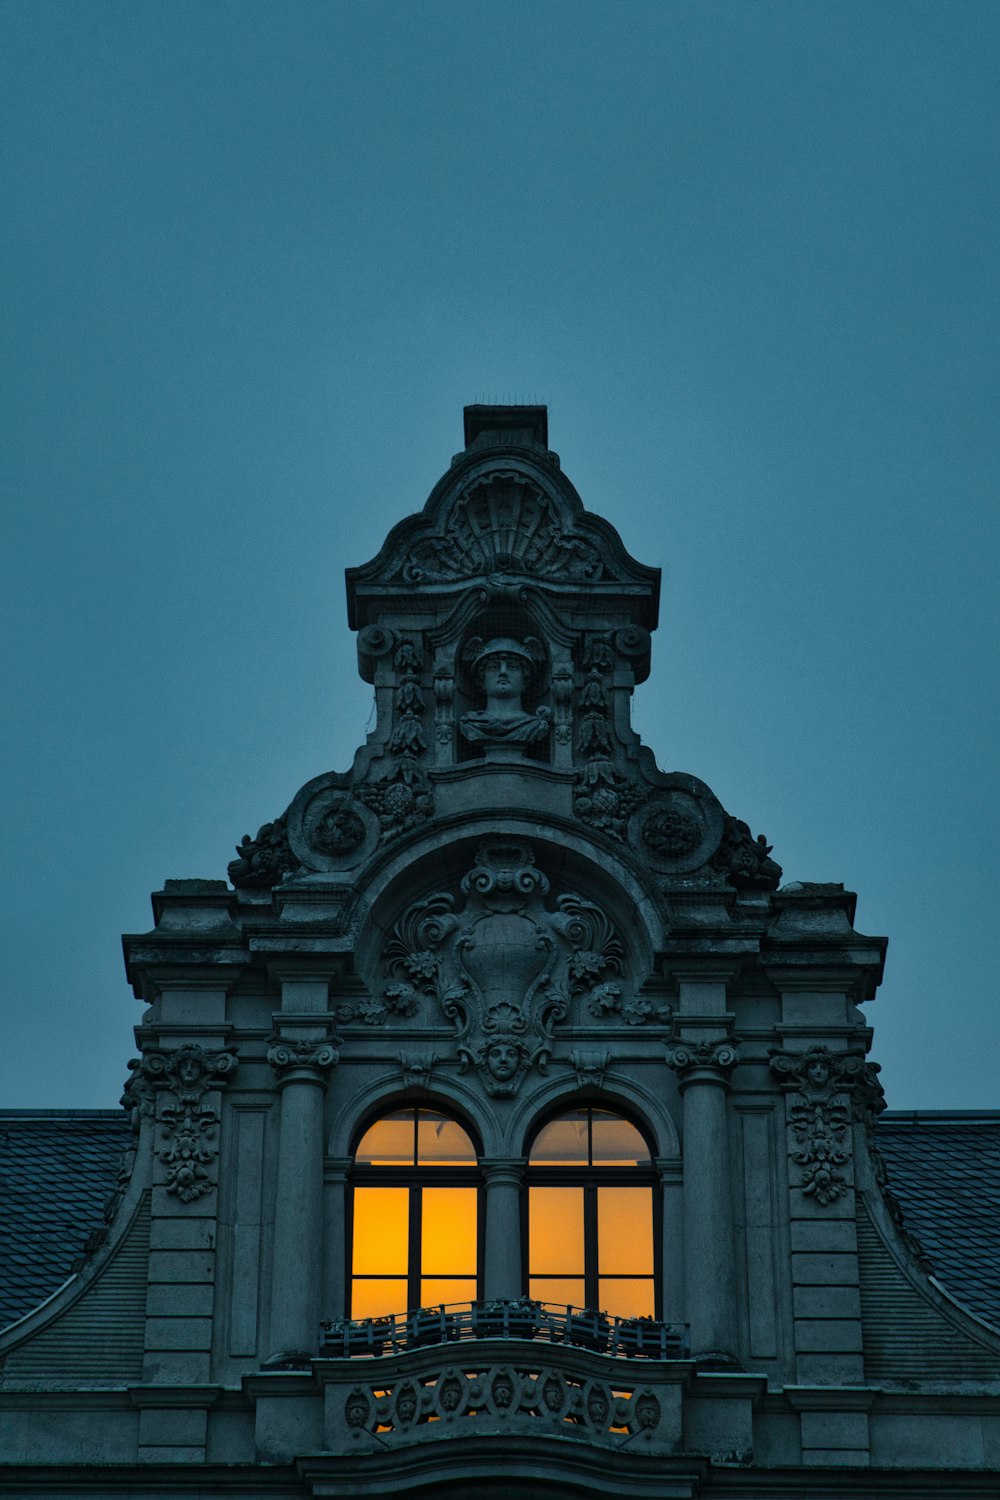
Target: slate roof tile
(944, 1167)
(57, 1170)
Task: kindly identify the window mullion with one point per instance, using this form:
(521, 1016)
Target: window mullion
(590, 1291)
(415, 1257)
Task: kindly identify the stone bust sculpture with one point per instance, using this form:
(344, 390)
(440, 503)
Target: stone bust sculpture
(503, 669)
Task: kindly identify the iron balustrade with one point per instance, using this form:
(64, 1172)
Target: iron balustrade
(554, 1323)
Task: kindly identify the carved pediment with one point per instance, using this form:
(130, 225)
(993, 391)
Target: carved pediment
(505, 516)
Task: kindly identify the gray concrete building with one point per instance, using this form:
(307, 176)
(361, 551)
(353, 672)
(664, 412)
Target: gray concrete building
(503, 1124)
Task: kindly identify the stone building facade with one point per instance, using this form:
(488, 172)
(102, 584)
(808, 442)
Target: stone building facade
(504, 1122)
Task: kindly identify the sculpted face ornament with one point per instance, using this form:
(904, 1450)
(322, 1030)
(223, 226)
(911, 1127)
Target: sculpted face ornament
(818, 1072)
(504, 669)
(647, 1411)
(356, 1409)
(503, 1059)
(189, 1071)
(406, 1405)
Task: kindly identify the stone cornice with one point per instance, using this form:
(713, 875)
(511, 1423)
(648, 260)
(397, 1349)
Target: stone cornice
(831, 1397)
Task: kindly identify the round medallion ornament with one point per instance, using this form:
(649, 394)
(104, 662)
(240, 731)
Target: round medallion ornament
(328, 828)
(339, 831)
(678, 829)
(672, 832)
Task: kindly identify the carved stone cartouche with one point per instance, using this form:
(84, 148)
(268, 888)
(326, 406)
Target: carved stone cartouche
(499, 964)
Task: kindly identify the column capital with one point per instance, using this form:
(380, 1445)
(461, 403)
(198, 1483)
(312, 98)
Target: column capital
(702, 1062)
(503, 1169)
(301, 1060)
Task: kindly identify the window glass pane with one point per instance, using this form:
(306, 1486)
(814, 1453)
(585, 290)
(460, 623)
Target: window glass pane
(448, 1231)
(555, 1231)
(564, 1290)
(451, 1289)
(627, 1296)
(377, 1299)
(617, 1143)
(389, 1142)
(625, 1231)
(381, 1231)
(442, 1142)
(562, 1141)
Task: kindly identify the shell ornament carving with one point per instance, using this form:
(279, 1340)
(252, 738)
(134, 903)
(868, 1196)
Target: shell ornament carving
(503, 523)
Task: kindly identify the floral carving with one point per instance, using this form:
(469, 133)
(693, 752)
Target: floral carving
(188, 1124)
(339, 831)
(503, 965)
(402, 800)
(407, 658)
(265, 860)
(603, 798)
(745, 859)
(633, 1009)
(820, 1085)
(672, 832)
(408, 736)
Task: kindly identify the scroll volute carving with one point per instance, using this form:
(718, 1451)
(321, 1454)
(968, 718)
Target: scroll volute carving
(501, 959)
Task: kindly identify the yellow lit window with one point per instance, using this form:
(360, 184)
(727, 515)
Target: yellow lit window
(415, 1217)
(592, 1198)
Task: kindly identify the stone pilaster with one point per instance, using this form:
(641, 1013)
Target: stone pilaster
(671, 1174)
(822, 1089)
(504, 1272)
(184, 1086)
(302, 1055)
(703, 1070)
(336, 1268)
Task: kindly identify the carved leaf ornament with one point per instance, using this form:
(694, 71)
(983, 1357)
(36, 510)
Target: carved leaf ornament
(188, 1145)
(821, 1084)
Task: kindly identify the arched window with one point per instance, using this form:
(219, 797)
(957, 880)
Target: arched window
(415, 1215)
(592, 1226)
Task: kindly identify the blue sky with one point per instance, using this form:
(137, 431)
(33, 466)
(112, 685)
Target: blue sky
(257, 257)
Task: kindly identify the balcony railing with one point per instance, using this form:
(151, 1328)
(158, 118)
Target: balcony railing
(581, 1327)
